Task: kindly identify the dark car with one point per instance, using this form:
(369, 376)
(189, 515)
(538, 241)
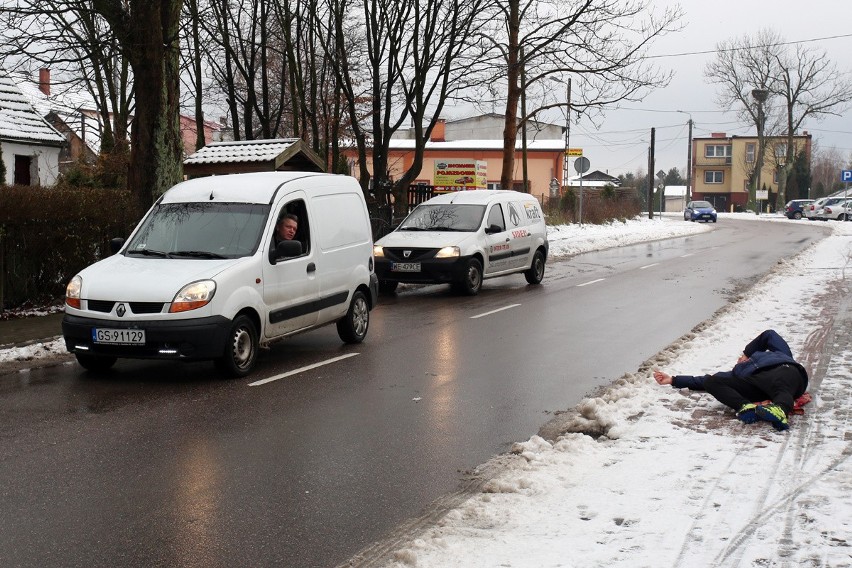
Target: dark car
(795, 208)
(699, 211)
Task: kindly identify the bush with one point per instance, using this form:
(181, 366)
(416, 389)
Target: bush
(49, 234)
(599, 207)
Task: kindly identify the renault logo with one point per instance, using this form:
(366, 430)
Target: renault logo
(121, 310)
(406, 253)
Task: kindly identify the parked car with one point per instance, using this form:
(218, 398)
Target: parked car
(831, 202)
(464, 237)
(795, 208)
(699, 211)
(811, 210)
(204, 275)
(840, 211)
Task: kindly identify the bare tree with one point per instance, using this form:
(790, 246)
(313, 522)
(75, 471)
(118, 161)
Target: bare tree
(75, 42)
(147, 32)
(415, 56)
(798, 85)
(600, 42)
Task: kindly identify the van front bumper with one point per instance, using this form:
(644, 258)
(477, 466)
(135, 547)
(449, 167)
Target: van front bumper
(195, 339)
(432, 270)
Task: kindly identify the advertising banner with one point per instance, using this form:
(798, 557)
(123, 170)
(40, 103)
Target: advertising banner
(457, 174)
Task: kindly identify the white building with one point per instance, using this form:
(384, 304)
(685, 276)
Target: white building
(29, 145)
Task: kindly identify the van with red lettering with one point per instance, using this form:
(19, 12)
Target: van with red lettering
(464, 237)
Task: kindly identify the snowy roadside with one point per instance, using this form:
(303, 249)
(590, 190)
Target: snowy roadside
(646, 475)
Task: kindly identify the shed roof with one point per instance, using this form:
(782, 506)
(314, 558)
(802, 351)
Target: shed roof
(282, 154)
(18, 119)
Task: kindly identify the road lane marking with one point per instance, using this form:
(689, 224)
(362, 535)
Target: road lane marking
(591, 282)
(301, 370)
(687, 254)
(648, 266)
(495, 311)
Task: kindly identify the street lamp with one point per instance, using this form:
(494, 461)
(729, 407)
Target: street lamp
(760, 96)
(567, 128)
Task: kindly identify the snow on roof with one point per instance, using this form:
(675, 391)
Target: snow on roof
(19, 120)
(241, 151)
(532, 145)
(675, 190)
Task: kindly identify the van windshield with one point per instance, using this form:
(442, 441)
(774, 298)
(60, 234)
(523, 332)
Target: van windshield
(449, 217)
(200, 230)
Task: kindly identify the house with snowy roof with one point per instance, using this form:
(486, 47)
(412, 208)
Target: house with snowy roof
(30, 146)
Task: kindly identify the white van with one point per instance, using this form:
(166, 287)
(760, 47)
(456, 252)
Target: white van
(204, 276)
(462, 238)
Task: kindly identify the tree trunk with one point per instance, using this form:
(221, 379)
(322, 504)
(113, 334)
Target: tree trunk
(510, 129)
(148, 31)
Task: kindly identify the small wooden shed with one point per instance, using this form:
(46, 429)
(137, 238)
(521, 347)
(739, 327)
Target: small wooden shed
(233, 157)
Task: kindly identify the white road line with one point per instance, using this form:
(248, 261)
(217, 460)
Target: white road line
(687, 254)
(648, 266)
(302, 370)
(495, 311)
(592, 282)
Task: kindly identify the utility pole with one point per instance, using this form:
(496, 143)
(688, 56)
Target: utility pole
(651, 176)
(524, 122)
(689, 165)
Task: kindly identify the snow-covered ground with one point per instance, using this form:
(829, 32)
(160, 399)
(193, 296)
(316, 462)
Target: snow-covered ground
(651, 476)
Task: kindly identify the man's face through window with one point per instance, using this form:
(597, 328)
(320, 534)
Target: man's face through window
(287, 229)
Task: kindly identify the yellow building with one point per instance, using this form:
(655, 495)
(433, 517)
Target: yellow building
(722, 165)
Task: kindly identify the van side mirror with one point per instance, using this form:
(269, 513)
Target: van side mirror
(285, 249)
(491, 229)
(116, 244)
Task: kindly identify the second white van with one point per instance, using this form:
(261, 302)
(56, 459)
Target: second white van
(464, 237)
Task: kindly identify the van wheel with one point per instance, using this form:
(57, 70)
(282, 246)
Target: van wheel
(388, 286)
(352, 328)
(535, 274)
(472, 281)
(94, 362)
(240, 348)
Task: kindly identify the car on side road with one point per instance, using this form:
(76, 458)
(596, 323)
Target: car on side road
(811, 210)
(839, 211)
(794, 209)
(464, 237)
(699, 211)
(828, 204)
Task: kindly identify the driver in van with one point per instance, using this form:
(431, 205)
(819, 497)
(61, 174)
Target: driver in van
(285, 228)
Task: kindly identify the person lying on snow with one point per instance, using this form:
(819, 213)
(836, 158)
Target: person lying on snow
(765, 371)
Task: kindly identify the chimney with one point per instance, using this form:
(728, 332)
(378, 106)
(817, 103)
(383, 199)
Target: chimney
(44, 80)
(717, 135)
(439, 132)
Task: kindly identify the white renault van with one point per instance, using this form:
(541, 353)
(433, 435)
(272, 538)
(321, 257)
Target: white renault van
(203, 275)
(462, 238)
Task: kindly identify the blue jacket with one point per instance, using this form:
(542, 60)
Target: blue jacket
(765, 351)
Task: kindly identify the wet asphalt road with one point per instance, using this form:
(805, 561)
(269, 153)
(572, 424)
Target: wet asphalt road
(160, 464)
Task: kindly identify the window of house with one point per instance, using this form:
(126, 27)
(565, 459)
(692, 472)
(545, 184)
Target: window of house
(714, 176)
(717, 151)
(750, 151)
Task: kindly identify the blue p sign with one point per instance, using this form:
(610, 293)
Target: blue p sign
(846, 176)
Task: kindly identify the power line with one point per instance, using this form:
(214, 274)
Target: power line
(747, 48)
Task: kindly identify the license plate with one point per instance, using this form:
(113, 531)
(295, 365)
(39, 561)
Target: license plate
(405, 267)
(119, 336)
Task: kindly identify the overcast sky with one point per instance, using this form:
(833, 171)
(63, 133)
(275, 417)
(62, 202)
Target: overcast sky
(621, 143)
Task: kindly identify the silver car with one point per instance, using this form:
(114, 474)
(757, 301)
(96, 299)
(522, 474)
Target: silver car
(837, 209)
(811, 210)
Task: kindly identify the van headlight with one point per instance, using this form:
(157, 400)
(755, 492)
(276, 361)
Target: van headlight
(72, 292)
(448, 252)
(193, 296)
(378, 251)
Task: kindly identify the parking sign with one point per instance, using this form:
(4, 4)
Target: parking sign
(846, 175)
